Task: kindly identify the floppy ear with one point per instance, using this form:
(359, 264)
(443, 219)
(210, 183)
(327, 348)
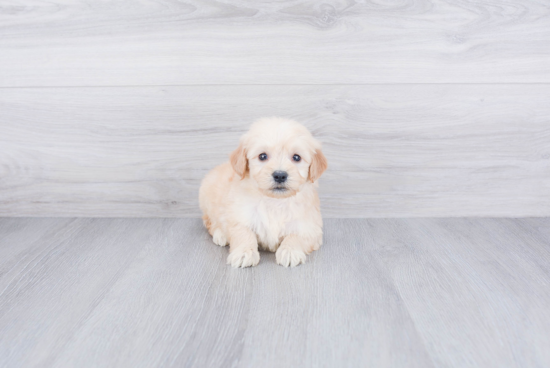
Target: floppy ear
(238, 161)
(318, 166)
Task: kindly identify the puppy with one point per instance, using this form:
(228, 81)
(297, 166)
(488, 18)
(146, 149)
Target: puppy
(266, 195)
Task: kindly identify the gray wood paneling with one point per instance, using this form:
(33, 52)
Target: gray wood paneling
(81, 43)
(379, 293)
(393, 150)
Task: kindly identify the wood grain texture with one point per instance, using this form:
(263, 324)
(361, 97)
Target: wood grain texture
(108, 43)
(50, 285)
(465, 282)
(380, 293)
(397, 151)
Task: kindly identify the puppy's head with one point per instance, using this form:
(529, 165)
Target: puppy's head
(280, 155)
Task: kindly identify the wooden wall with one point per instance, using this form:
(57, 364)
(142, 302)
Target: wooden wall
(425, 108)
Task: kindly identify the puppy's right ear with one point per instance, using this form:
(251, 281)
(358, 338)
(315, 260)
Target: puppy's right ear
(238, 161)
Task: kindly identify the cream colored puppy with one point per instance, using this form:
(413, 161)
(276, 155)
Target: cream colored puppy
(266, 195)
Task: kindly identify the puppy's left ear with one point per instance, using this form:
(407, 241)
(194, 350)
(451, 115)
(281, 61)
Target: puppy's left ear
(238, 161)
(318, 166)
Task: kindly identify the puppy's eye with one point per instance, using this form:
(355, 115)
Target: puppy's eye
(296, 158)
(262, 156)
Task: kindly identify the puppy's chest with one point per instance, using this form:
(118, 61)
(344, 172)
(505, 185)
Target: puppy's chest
(273, 219)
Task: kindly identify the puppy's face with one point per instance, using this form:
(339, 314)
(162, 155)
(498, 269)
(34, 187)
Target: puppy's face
(279, 156)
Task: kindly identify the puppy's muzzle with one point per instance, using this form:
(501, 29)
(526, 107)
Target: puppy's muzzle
(280, 176)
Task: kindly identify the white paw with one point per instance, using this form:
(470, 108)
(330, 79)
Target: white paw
(219, 238)
(243, 258)
(287, 256)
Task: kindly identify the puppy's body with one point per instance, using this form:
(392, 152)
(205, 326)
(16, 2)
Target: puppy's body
(246, 205)
(271, 219)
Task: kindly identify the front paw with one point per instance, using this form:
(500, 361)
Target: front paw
(288, 256)
(219, 238)
(243, 258)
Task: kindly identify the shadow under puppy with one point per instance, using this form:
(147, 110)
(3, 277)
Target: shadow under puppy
(266, 195)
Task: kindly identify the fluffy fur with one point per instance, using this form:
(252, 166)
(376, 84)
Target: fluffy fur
(245, 207)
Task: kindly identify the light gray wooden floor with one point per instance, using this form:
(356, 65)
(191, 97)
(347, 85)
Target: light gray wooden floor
(380, 293)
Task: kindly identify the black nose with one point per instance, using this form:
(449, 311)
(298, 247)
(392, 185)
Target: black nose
(280, 176)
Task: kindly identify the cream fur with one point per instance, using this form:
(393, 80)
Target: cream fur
(241, 208)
